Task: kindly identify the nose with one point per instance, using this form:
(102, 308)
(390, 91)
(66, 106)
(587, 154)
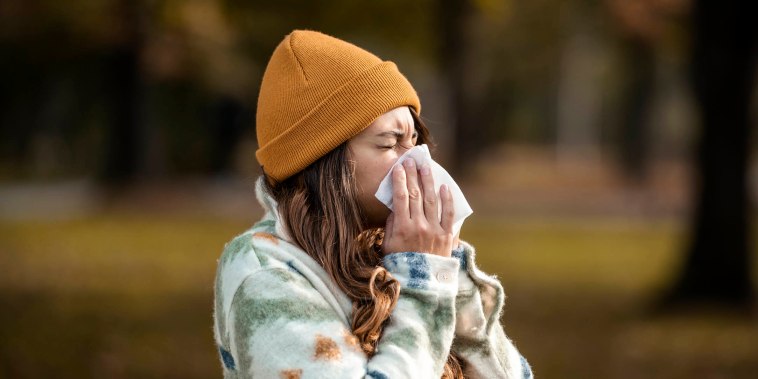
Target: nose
(404, 148)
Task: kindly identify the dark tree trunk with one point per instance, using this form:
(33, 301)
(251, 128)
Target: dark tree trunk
(634, 138)
(466, 134)
(124, 145)
(717, 267)
(121, 155)
(228, 121)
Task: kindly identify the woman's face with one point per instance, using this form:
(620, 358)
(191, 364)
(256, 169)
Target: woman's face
(374, 151)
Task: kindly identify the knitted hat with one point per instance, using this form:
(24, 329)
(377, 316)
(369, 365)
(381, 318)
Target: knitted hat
(318, 92)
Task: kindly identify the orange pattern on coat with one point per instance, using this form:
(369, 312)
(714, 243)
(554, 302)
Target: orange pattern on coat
(267, 236)
(327, 349)
(291, 374)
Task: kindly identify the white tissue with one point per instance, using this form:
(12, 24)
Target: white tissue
(421, 155)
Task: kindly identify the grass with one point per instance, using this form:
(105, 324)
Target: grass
(129, 295)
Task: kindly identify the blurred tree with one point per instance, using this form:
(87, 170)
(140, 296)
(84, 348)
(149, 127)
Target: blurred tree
(228, 120)
(122, 85)
(513, 69)
(500, 80)
(50, 75)
(642, 26)
(717, 266)
(109, 85)
(452, 54)
(634, 137)
(201, 84)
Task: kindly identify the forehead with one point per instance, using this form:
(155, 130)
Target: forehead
(399, 119)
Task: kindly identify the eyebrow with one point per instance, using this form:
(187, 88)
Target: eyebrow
(395, 133)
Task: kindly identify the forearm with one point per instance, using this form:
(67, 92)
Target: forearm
(422, 326)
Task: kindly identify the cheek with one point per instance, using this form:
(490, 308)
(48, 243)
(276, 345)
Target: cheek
(379, 170)
(370, 172)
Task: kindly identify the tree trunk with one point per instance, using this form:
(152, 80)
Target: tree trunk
(717, 267)
(124, 139)
(121, 156)
(466, 141)
(634, 137)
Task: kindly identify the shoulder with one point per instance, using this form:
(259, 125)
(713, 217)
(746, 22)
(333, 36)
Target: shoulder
(252, 244)
(257, 248)
(253, 256)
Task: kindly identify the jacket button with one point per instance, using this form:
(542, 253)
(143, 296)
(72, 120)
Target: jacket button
(444, 276)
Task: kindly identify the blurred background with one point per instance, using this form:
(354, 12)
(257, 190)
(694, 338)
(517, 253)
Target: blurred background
(606, 148)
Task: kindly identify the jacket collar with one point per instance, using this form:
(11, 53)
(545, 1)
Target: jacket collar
(271, 209)
(324, 284)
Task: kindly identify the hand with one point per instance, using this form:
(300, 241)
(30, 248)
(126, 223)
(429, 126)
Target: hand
(415, 224)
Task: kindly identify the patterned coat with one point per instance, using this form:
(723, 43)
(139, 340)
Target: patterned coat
(279, 315)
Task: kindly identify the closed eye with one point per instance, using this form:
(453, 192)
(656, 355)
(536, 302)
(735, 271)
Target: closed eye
(414, 141)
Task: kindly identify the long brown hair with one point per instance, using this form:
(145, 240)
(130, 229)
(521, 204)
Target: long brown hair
(320, 208)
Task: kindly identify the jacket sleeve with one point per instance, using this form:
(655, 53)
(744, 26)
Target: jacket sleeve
(281, 327)
(479, 337)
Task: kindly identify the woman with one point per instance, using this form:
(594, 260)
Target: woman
(330, 283)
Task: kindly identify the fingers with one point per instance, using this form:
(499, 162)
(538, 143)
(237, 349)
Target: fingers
(416, 211)
(399, 193)
(429, 195)
(415, 202)
(447, 209)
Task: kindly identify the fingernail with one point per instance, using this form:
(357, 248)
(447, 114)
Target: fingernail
(408, 163)
(425, 169)
(443, 188)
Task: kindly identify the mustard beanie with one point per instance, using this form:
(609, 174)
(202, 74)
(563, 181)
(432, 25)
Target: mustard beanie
(318, 92)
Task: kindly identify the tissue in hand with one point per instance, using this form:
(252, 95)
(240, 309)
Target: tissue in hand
(421, 155)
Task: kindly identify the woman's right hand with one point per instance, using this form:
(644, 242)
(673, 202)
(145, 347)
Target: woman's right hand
(415, 224)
